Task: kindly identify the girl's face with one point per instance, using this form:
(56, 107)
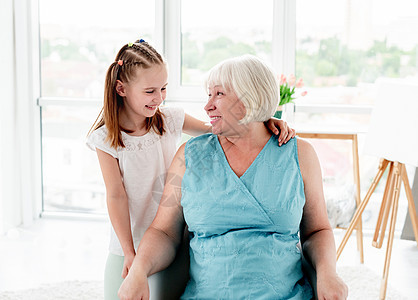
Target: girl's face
(225, 110)
(145, 92)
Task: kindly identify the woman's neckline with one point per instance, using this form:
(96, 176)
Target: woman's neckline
(254, 162)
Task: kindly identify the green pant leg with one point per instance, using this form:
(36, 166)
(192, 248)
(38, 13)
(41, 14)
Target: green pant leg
(113, 276)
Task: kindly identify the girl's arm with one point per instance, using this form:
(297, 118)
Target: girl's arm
(315, 231)
(195, 127)
(158, 247)
(117, 206)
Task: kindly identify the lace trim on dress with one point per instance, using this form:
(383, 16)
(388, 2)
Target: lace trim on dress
(136, 143)
(133, 143)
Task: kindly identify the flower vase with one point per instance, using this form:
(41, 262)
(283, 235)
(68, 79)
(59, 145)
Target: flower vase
(288, 113)
(278, 113)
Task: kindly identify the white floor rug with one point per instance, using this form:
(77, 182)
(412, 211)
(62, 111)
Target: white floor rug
(362, 282)
(68, 290)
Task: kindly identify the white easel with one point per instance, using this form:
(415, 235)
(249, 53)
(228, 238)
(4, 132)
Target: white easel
(397, 175)
(392, 136)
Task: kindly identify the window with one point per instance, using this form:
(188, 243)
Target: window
(71, 175)
(78, 42)
(346, 46)
(339, 48)
(202, 33)
(215, 30)
(77, 45)
(342, 48)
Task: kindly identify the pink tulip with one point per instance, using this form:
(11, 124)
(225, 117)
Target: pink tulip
(282, 79)
(299, 84)
(291, 79)
(303, 93)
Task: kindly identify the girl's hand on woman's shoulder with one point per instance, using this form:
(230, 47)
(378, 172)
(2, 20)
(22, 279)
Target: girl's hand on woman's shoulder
(280, 128)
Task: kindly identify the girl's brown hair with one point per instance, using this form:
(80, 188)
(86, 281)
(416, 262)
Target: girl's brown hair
(130, 57)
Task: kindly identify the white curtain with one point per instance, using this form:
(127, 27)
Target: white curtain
(20, 160)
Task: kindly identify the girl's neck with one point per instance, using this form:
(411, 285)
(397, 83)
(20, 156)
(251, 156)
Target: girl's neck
(134, 123)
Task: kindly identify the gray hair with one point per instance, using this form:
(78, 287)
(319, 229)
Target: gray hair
(252, 81)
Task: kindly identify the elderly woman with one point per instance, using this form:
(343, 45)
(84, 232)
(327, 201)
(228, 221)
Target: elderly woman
(248, 203)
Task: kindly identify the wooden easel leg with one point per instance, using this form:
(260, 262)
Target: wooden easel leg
(384, 209)
(359, 228)
(411, 204)
(395, 201)
(382, 166)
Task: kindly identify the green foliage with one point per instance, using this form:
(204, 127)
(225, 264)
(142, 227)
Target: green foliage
(220, 49)
(335, 59)
(45, 48)
(332, 59)
(286, 93)
(325, 67)
(191, 55)
(66, 50)
(263, 47)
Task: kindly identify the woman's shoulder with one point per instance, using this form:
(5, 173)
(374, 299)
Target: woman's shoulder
(300, 149)
(304, 147)
(202, 142)
(207, 138)
(307, 156)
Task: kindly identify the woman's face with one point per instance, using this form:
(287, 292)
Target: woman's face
(225, 110)
(145, 92)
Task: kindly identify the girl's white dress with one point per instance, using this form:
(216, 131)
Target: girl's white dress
(143, 164)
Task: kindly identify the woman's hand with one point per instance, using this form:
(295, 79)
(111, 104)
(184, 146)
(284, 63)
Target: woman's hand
(134, 288)
(127, 263)
(331, 287)
(277, 126)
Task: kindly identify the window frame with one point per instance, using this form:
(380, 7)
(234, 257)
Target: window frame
(22, 202)
(284, 29)
(168, 38)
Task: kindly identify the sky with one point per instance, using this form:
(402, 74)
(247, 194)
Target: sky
(128, 13)
(212, 12)
(383, 11)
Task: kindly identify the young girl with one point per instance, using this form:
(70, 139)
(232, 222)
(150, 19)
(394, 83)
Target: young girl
(135, 140)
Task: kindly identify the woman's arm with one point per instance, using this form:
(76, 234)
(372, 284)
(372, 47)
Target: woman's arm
(158, 247)
(117, 206)
(316, 233)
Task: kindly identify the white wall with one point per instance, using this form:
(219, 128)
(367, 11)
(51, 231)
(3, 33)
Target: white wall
(8, 215)
(20, 160)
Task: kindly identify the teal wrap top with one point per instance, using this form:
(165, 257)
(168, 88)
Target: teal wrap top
(244, 231)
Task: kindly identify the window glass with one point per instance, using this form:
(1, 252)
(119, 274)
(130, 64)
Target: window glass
(80, 38)
(344, 46)
(216, 30)
(72, 179)
(336, 159)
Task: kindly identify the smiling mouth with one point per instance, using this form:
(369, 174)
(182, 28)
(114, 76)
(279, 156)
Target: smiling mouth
(151, 106)
(214, 119)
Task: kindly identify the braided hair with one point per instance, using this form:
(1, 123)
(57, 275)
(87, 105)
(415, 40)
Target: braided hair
(129, 58)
